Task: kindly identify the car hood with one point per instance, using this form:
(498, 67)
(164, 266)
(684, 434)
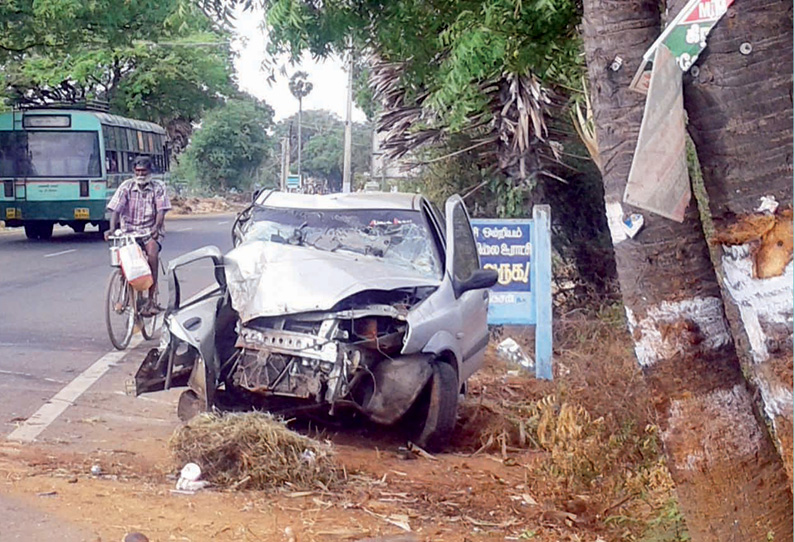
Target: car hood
(272, 279)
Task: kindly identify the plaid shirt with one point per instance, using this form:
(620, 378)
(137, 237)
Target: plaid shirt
(138, 207)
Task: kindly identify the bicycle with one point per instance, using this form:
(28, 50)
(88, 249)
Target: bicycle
(123, 303)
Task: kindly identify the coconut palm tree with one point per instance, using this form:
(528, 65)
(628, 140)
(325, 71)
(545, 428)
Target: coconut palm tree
(730, 481)
(740, 117)
(300, 87)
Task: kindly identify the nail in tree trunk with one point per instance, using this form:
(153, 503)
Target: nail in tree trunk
(730, 481)
(740, 112)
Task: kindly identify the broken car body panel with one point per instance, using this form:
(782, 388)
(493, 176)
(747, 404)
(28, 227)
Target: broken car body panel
(271, 279)
(337, 301)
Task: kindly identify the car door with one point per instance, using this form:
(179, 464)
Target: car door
(462, 260)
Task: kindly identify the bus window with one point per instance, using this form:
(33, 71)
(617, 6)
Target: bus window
(111, 161)
(13, 147)
(130, 136)
(151, 147)
(53, 154)
(117, 137)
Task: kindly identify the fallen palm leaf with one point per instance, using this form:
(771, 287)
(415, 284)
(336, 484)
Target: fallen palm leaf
(253, 451)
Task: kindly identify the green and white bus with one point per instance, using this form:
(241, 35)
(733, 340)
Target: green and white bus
(61, 166)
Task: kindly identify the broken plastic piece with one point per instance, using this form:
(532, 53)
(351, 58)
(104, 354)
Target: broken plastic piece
(768, 204)
(309, 457)
(633, 224)
(191, 472)
(189, 479)
(509, 350)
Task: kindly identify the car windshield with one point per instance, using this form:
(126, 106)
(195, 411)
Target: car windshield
(397, 237)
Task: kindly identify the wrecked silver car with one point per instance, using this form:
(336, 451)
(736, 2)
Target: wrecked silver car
(372, 302)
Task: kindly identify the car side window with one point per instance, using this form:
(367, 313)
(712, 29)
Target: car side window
(466, 260)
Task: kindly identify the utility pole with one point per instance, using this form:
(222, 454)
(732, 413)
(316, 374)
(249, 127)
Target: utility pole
(288, 156)
(283, 178)
(346, 173)
(300, 141)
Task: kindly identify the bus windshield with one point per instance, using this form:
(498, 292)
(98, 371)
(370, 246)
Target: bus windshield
(49, 154)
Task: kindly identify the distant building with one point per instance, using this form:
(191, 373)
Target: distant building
(388, 173)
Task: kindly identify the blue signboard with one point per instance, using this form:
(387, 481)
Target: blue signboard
(293, 181)
(520, 251)
(506, 247)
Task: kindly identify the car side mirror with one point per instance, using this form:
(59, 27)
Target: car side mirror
(480, 279)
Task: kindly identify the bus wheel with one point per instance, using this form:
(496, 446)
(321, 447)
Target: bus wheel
(38, 230)
(45, 230)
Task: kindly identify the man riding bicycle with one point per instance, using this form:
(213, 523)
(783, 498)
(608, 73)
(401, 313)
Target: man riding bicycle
(141, 203)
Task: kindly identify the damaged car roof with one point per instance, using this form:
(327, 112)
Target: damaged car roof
(356, 200)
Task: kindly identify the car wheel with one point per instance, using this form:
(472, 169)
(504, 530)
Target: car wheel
(439, 408)
(189, 406)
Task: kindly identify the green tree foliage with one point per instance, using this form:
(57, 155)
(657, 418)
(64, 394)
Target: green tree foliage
(157, 60)
(323, 146)
(446, 48)
(232, 143)
(463, 84)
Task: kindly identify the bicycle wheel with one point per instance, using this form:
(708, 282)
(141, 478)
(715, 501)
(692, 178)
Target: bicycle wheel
(119, 310)
(150, 324)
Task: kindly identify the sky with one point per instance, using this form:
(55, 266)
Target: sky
(328, 77)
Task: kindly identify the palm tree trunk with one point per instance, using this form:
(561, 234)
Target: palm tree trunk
(729, 479)
(740, 112)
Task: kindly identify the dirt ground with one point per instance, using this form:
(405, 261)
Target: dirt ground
(196, 206)
(573, 460)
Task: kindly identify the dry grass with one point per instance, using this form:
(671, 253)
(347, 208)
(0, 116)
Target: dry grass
(253, 450)
(594, 426)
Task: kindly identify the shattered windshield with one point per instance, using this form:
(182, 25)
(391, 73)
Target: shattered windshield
(398, 237)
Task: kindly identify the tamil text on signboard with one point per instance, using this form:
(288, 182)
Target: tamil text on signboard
(520, 251)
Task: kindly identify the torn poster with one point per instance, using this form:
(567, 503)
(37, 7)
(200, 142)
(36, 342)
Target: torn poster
(685, 36)
(659, 179)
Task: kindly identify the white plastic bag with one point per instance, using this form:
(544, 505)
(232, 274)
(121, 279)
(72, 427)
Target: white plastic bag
(135, 267)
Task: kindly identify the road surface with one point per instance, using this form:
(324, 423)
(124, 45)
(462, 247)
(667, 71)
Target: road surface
(51, 307)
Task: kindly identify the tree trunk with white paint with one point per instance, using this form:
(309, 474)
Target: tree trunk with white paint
(740, 111)
(730, 481)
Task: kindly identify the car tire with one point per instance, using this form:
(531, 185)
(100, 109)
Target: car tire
(438, 410)
(190, 405)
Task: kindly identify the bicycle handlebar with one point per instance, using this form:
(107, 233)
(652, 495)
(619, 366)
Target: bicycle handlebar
(129, 235)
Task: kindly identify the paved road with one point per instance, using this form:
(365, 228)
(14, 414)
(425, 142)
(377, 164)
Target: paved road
(51, 306)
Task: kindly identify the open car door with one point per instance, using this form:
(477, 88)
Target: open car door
(470, 284)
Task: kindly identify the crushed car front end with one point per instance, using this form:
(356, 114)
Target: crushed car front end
(319, 308)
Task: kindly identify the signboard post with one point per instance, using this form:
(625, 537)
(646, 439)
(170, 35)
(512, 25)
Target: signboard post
(520, 251)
